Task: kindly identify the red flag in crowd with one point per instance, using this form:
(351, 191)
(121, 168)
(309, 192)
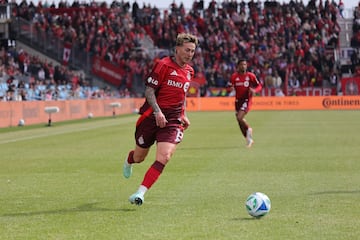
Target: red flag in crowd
(66, 54)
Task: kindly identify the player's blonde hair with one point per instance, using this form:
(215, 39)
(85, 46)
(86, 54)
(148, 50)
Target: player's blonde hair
(185, 38)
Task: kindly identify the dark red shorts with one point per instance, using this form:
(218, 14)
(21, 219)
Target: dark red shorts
(242, 105)
(147, 133)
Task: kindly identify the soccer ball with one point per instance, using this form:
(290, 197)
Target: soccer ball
(21, 122)
(258, 204)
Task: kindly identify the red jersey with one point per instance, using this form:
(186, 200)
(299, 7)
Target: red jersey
(171, 83)
(242, 83)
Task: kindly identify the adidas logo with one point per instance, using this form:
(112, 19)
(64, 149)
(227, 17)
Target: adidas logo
(174, 73)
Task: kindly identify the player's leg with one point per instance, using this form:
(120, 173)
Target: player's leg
(242, 122)
(164, 152)
(249, 138)
(246, 130)
(167, 140)
(137, 155)
(241, 106)
(144, 138)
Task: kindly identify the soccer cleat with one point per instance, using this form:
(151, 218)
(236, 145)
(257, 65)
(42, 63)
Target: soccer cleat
(249, 143)
(127, 169)
(136, 199)
(249, 140)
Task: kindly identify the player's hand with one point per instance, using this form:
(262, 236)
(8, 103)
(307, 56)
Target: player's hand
(252, 90)
(185, 122)
(160, 119)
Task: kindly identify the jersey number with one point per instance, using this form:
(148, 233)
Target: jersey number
(179, 136)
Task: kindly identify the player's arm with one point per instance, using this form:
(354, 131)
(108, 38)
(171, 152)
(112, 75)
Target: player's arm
(229, 86)
(185, 122)
(257, 86)
(151, 99)
(256, 89)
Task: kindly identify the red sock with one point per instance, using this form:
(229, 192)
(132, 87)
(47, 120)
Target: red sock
(152, 174)
(130, 158)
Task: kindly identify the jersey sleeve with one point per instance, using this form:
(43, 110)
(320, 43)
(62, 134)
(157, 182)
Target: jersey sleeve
(230, 83)
(256, 83)
(156, 76)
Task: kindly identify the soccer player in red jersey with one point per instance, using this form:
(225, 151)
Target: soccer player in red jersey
(163, 118)
(246, 85)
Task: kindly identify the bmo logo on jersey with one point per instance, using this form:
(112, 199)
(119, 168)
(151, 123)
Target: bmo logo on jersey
(238, 82)
(152, 81)
(178, 84)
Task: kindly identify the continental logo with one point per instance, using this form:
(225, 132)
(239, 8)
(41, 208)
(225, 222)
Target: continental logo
(329, 102)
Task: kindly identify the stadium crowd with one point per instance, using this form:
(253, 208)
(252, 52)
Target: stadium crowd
(276, 39)
(25, 77)
(355, 40)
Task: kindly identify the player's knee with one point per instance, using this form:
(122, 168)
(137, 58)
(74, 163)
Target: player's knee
(164, 157)
(240, 120)
(167, 156)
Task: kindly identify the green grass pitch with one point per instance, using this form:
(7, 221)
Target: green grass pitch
(65, 181)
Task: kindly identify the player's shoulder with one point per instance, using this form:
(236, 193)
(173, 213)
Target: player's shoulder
(237, 76)
(251, 75)
(162, 64)
(165, 60)
(162, 61)
(189, 68)
(234, 74)
(169, 63)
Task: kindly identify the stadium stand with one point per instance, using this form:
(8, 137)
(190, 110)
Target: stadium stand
(296, 43)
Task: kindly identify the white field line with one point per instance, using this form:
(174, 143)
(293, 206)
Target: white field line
(54, 130)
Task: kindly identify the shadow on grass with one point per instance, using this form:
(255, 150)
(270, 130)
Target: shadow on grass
(207, 148)
(246, 219)
(89, 207)
(336, 192)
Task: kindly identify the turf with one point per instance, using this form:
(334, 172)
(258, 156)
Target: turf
(65, 181)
